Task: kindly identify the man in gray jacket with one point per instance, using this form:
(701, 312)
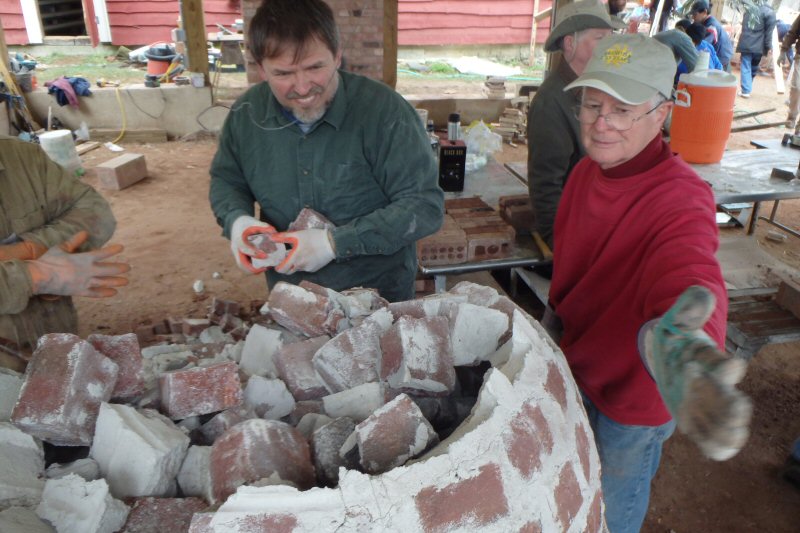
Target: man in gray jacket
(754, 42)
(554, 145)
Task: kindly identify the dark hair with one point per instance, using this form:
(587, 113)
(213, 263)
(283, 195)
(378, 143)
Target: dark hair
(279, 25)
(697, 32)
(684, 24)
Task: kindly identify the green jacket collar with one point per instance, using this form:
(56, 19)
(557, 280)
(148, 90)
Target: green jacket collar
(334, 115)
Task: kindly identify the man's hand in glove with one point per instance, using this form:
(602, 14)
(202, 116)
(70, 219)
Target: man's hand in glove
(311, 250)
(782, 59)
(63, 273)
(697, 381)
(243, 251)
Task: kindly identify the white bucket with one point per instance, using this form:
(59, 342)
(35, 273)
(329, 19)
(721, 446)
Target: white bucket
(60, 147)
(198, 79)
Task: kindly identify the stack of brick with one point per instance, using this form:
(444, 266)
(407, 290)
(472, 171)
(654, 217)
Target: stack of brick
(369, 397)
(517, 211)
(472, 231)
(511, 125)
(495, 88)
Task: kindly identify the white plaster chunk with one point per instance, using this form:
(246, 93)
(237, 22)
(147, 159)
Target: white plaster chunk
(160, 349)
(157, 364)
(356, 403)
(315, 510)
(86, 468)
(139, 453)
(268, 398)
(23, 520)
(21, 467)
(74, 505)
(10, 384)
(259, 347)
(232, 351)
(351, 358)
(475, 332)
(194, 477)
(312, 422)
(214, 334)
(476, 294)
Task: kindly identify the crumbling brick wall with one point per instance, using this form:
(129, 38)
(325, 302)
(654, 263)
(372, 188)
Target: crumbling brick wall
(362, 29)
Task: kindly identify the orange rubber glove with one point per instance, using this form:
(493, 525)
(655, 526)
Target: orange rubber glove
(23, 250)
(243, 251)
(63, 273)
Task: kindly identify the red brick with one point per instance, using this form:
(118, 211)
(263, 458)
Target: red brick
(555, 385)
(192, 327)
(531, 527)
(594, 521)
(473, 503)
(263, 523)
(257, 449)
(300, 310)
(489, 242)
(65, 383)
(302, 408)
(514, 199)
(520, 217)
(200, 390)
(294, 367)
(392, 435)
(149, 515)
(221, 307)
(417, 356)
(123, 350)
(568, 496)
(122, 171)
(220, 423)
(310, 219)
(584, 444)
(529, 439)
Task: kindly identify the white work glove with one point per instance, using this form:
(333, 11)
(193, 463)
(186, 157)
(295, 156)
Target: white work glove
(697, 381)
(782, 58)
(243, 251)
(311, 250)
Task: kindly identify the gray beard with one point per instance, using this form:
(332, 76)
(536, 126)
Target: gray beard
(311, 116)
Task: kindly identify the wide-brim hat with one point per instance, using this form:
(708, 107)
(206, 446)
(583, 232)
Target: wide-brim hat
(579, 16)
(630, 67)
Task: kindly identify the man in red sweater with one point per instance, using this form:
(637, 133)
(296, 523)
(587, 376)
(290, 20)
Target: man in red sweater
(636, 288)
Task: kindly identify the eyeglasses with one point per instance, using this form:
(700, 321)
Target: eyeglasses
(618, 120)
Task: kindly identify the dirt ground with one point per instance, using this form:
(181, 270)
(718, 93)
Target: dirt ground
(171, 240)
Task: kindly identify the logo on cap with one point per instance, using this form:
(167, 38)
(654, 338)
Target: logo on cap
(617, 55)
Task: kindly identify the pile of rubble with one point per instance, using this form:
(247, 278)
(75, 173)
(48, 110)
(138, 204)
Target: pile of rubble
(322, 389)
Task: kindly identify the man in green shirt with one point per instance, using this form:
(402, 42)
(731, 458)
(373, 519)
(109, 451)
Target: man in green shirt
(50, 226)
(344, 145)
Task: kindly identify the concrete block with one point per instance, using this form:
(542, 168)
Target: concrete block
(21, 468)
(139, 453)
(10, 385)
(268, 398)
(74, 505)
(194, 477)
(23, 519)
(63, 411)
(122, 171)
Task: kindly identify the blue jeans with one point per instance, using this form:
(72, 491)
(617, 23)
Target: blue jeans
(629, 459)
(749, 70)
(796, 449)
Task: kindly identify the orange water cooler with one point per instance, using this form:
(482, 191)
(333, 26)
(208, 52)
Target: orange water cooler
(702, 115)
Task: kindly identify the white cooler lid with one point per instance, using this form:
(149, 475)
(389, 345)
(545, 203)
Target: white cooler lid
(709, 78)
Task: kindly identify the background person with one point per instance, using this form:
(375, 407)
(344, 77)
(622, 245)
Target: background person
(554, 145)
(637, 301)
(754, 42)
(50, 224)
(716, 36)
(314, 136)
(792, 37)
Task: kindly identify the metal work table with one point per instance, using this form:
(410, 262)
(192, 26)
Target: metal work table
(489, 183)
(743, 176)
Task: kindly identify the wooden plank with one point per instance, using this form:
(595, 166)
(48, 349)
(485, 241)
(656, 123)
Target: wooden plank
(532, 52)
(194, 26)
(87, 147)
(3, 47)
(788, 297)
(780, 88)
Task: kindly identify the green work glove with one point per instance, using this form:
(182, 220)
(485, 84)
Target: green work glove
(696, 380)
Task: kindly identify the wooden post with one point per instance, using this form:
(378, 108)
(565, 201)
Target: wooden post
(534, 23)
(777, 70)
(196, 40)
(390, 43)
(3, 47)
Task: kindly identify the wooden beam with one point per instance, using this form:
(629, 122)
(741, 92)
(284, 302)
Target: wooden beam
(390, 43)
(777, 70)
(195, 28)
(532, 52)
(3, 47)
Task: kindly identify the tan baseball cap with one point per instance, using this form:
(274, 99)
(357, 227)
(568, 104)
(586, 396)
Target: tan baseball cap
(579, 16)
(630, 67)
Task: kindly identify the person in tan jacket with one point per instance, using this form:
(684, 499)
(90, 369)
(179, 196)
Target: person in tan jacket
(51, 226)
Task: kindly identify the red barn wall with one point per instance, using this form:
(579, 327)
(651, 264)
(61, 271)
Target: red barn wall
(469, 22)
(13, 23)
(148, 21)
